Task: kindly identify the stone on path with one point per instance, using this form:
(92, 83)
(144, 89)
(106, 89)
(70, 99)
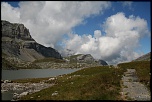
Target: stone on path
(132, 88)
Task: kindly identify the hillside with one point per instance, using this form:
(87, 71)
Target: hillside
(18, 47)
(146, 57)
(94, 83)
(84, 58)
(21, 51)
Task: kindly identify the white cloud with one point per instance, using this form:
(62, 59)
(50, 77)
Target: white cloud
(48, 21)
(118, 45)
(9, 13)
(127, 4)
(97, 34)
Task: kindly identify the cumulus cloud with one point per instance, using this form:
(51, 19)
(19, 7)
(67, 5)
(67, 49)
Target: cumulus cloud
(127, 4)
(118, 45)
(48, 21)
(97, 34)
(9, 13)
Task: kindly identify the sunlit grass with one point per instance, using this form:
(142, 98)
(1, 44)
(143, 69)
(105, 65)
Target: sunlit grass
(142, 68)
(50, 59)
(96, 83)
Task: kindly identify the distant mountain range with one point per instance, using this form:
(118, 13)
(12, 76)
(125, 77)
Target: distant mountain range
(85, 58)
(146, 57)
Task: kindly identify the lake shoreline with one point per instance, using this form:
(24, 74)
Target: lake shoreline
(19, 86)
(21, 89)
(34, 73)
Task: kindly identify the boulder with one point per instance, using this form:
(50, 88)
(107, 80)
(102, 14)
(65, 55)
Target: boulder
(23, 94)
(7, 81)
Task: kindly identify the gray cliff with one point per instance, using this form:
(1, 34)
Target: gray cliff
(86, 58)
(18, 44)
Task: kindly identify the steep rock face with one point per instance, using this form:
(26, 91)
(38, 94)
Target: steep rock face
(85, 58)
(17, 42)
(17, 31)
(45, 51)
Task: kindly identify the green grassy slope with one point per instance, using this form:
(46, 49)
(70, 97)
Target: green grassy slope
(96, 83)
(142, 68)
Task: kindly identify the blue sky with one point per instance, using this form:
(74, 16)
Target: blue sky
(87, 24)
(141, 9)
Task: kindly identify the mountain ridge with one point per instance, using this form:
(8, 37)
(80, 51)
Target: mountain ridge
(18, 45)
(85, 58)
(20, 51)
(17, 38)
(145, 57)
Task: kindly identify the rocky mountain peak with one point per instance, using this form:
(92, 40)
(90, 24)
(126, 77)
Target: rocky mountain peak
(15, 30)
(145, 57)
(85, 58)
(17, 42)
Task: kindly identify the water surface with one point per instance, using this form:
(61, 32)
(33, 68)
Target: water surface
(30, 73)
(34, 73)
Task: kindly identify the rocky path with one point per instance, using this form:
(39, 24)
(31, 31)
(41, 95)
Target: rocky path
(132, 89)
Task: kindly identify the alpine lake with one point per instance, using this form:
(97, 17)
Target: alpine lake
(30, 73)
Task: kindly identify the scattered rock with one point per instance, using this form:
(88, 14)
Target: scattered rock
(132, 88)
(31, 97)
(23, 94)
(25, 88)
(51, 79)
(7, 81)
(3, 91)
(55, 93)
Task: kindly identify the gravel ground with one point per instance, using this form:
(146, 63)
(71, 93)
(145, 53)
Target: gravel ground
(132, 89)
(21, 89)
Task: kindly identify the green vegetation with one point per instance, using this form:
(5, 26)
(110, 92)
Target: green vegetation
(29, 66)
(73, 60)
(29, 80)
(3, 54)
(96, 83)
(6, 64)
(142, 68)
(49, 60)
(73, 56)
(13, 65)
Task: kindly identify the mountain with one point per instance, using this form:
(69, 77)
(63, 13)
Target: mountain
(85, 58)
(102, 62)
(146, 57)
(18, 45)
